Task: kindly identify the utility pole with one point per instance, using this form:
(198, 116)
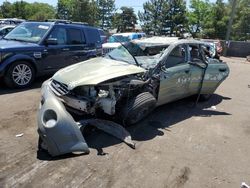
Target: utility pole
(230, 23)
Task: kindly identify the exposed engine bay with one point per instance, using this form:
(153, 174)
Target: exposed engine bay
(107, 96)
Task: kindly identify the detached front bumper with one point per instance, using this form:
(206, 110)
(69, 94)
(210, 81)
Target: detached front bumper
(59, 132)
(56, 127)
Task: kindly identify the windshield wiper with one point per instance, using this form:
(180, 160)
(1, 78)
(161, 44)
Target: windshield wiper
(128, 52)
(14, 39)
(111, 57)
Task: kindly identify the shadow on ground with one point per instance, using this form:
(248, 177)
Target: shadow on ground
(161, 119)
(37, 84)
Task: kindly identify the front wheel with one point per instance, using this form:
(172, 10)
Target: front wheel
(137, 108)
(19, 75)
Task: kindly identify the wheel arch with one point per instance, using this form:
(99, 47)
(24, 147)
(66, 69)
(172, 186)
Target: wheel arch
(17, 58)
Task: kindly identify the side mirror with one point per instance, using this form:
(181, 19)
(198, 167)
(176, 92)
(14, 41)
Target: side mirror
(51, 41)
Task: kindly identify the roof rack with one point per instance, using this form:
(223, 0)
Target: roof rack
(56, 21)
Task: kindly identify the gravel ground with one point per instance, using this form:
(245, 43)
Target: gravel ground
(178, 145)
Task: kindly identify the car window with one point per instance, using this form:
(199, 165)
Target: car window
(28, 32)
(194, 52)
(92, 35)
(176, 57)
(208, 50)
(75, 36)
(60, 34)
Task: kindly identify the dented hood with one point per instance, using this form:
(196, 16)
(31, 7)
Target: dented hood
(94, 71)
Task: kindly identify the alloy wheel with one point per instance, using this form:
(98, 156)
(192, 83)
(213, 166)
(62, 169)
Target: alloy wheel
(22, 74)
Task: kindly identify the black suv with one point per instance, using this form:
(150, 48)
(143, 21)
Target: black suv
(37, 48)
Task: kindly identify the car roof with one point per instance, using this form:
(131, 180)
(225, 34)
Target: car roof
(159, 41)
(75, 24)
(7, 26)
(126, 34)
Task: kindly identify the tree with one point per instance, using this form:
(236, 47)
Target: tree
(198, 16)
(151, 18)
(241, 26)
(19, 9)
(65, 9)
(7, 10)
(174, 18)
(163, 17)
(126, 20)
(78, 10)
(40, 11)
(106, 10)
(215, 26)
(30, 11)
(85, 11)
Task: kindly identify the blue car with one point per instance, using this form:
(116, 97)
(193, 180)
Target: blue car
(33, 49)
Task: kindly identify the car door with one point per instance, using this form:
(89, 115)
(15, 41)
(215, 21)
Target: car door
(77, 45)
(56, 55)
(214, 73)
(93, 41)
(174, 76)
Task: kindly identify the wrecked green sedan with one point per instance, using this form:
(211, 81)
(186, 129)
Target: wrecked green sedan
(124, 86)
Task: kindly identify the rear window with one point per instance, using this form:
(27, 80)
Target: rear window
(75, 36)
(92, 35)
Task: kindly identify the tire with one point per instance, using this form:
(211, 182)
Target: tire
(20, 74)
(42, 145)
(137, 108)
(205, 97)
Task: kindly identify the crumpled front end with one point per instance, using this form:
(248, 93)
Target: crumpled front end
(59, 132)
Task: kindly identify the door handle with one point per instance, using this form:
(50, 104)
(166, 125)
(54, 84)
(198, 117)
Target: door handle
(222, 69)
(65, 49)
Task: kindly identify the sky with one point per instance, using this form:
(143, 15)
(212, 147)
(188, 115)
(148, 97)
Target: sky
(136, 4)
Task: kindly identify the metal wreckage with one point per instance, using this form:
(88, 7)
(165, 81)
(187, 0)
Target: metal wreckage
(124, 86)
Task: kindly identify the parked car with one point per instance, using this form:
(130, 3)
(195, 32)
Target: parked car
(103, 35)
(4, 30)
(37, 48)
(115, 40)
(11, 21)
(124, 87)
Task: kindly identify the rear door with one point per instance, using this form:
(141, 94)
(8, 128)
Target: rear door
(76, 45)
(215, 73)
(93, 40)
(174, 76)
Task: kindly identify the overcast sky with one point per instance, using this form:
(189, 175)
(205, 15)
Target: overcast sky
(136, 4)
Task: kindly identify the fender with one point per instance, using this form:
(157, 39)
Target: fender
(17, 57)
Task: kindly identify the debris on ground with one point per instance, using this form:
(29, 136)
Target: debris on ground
(19, 135)
(244, 185)
(111, 128)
